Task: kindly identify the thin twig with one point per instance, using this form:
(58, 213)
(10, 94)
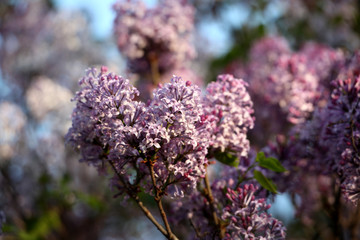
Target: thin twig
(157, 198)
(210, 198)
(243, 176)
(195, 228)
(138, 201)
(208, 194)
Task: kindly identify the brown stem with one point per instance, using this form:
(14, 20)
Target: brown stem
(208, 194)
(154, 64)
(135, 197)
(210, 198)
(195, 228)
(149, 215)
(157, 198)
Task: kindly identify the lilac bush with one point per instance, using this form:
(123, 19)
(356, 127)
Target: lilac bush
(321, 153)
(201, 161)
(189, 151)
(163, 147)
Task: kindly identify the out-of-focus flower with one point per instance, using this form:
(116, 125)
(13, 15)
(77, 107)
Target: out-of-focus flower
(12, 122)
(293, 81)
(46, 98)
(156, 36)
(38, 41)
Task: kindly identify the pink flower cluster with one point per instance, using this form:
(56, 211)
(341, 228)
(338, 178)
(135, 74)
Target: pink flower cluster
(170, 132)
(247, 216)
(242, 212)
(174, 130)
(230, 110)
(325, 149)
(293, 81)
(164, 146)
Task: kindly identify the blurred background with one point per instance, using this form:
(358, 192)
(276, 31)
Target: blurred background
(45, 46)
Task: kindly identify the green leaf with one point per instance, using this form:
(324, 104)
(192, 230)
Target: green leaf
(93, 202)
(227, 158)
(260, 157)
(43, 226)
(269, 163)
(265, 182)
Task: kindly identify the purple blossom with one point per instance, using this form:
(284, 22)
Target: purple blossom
(268, 50)
(324, 61)
(290, 85)
(351, 188)
(178, 109)
(343, 132)
(293, 82)
(323, 151)
(196, 209)
(109, 125)
(247, 216)
(159, 35)
(104, 104)
(229, 109)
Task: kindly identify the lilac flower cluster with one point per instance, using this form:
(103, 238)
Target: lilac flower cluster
(243, 215)
(343, 131)
(178, 108)
(324, 150)
(247, 217)
(293, 81)
(163, 146)
(104, 104)
(156, 36)
(230, 110)
(170, 133)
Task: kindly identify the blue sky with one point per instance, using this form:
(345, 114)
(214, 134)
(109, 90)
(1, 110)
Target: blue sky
(101, 14)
